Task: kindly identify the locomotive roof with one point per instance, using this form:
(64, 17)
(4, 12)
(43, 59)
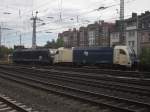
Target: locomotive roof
(24, 50)
(94, 48)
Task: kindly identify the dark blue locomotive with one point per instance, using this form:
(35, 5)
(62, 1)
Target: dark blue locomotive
(93, 55)
(32, 56)
(117, 56)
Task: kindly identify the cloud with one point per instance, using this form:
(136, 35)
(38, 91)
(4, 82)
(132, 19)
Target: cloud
(21, 13)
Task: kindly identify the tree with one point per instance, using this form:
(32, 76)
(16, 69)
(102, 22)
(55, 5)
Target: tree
(4, 52)
(50, 44)
(54, 44)
(60, 42)
(145, 58)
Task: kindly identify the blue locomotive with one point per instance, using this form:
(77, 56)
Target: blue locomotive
(33, 56)
(119, 55)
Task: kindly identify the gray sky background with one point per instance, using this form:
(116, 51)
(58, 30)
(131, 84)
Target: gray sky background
(21, 11)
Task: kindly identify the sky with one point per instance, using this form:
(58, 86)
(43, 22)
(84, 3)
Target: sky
(56, 16)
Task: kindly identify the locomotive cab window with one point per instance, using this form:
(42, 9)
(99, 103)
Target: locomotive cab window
(122, 52)
(57, 52)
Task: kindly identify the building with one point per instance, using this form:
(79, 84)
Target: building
(99, 34)
(70, 38)
(103, 34)
(75, 38)
(106, 28)
(115, 34)
(144, 29)
(93, 34)
(138, 31)
(67, 38)
(114, 38)
(131, 33)
(83, 39)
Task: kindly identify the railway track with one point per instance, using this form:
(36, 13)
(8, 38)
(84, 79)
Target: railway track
(89, 81)
(103, 71)
(9, 105)
(96, 70)
(126, 79)
(114, 103)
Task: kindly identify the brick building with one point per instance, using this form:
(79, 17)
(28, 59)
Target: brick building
(103, 34)
(67, 38)
(75, 38)
(144, 29)
(83, 39)
(106, 28)
(93, 34)
(99, 34)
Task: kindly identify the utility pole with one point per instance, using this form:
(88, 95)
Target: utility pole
(122, 28)
(138, 40)
(34, 18)
(0, 36)
(77, 19)
(20, 40)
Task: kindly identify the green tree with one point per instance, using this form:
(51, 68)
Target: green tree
(145, 56)
(4, 52)
(54, 44)
(50, 44)
(60, 42)
(145, 59)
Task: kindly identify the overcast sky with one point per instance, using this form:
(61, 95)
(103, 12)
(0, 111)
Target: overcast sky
(16, 15)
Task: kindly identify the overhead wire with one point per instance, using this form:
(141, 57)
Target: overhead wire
(94, 10)
(90, 12)
(95, 19)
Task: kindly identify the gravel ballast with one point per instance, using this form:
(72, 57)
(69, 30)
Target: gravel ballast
(42, 101)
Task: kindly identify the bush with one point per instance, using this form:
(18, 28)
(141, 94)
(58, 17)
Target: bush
(145, 58)
(4, 52)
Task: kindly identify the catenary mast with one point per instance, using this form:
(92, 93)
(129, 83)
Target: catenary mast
(122, 35)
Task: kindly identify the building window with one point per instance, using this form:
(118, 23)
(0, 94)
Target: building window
(131, 33)
(142, 25)
(143, 38)
(131, 43)
(91, 38)
(149, 37)
(122, 52)
(149, 25)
